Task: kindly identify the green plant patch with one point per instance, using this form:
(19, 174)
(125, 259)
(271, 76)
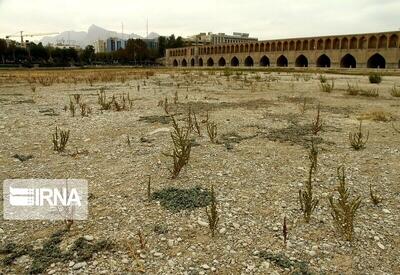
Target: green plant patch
(175, 199)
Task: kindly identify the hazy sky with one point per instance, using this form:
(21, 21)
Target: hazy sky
(265, 19)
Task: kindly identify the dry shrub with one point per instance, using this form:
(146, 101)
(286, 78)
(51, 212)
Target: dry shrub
(344, 209)
(358, 140)
(60, 139)
(376, 115)
(182, 148)
(395, 91)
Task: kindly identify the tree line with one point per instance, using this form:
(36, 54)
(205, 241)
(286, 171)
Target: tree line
(135, 52)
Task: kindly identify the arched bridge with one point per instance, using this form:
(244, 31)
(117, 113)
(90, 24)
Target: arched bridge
(374, 50)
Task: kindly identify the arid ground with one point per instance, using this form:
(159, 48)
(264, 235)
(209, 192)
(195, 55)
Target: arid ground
(257, 164)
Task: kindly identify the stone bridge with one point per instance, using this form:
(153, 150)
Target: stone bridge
(373, 50)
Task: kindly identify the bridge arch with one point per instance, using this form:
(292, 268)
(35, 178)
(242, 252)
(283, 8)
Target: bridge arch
(336, 44)
(257, 48)
(192, 62)
(323, 61)
(267, 47)
(348, 61)
(353, 43)
(393, 41)
(210, 62)
(312, 45)
(175, 63)
(251, 47)
(264, 61)
(279, 46)
(328, 44)
(382, 42)
(184, 63)
(221, 62)
(292, 46)
(262, 48)
(201, 62)
(241, 48)
(248, 62)
(273, 47)
(344, 43)
(362, 43)
(372, 42)
(282, 61)
(285, 46)
(320, 44)
(234, 62)
(376, 61)
(301, 61)
(298, 45)
(305, 45)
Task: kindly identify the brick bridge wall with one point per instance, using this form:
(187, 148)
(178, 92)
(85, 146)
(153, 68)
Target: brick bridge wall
(374, 50)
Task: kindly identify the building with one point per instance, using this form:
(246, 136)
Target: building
(114, 44)
(151, 43)
(100, 46)
(367, 50)
(220, 38)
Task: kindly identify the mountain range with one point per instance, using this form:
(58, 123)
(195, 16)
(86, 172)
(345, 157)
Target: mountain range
(94, 33)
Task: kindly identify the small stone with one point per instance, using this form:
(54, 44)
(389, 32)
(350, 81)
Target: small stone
(202, 223)
(71, 263)
(236, 225)
(1, 231)
(275, 228)
(205, 266)
(386, 211)
(125, 261)
(170, 243)
(376, 238)
(381, 246)
(158, 254)
(213, 269)
(51, 272)
(312, 253)
(89, 238)
(222, 230)
(79, 265)
(265, 264)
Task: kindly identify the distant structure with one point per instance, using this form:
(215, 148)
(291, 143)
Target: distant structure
(113, 44)
(151, 43)
(100, 46)
(220, 38)
(370, 50)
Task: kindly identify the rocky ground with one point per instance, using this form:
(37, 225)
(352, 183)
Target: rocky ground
(257, 166)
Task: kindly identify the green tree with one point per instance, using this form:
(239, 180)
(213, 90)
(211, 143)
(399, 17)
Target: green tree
(88, 54)
(162, 45)
(3, 49)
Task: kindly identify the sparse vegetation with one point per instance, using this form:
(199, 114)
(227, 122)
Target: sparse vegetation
(352, 89)
(395, 91)
(317, 123)
(344, 209)
(307, 202)
(326, 87)
(182, 146)
(375, 78)
(374, 198)
(60, 139)
(212, 131)
(358, 140)
(370, 93)
(212, 215)
(175, 199)
(322, 79)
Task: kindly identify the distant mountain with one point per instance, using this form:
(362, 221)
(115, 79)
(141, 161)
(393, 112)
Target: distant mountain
(86, 38)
